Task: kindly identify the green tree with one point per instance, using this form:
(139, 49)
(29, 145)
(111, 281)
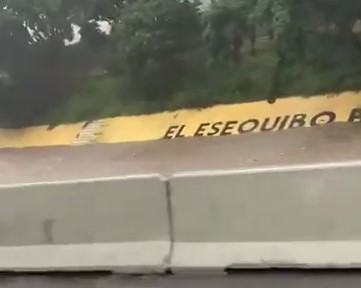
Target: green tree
(228, 24)
(42, 69)
(313, 36)
(156, 40)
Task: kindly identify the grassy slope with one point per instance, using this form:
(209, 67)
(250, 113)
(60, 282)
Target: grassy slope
(249, 82)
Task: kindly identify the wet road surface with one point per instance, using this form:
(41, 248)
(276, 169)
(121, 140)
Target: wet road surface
(300, 279)
(336, 142)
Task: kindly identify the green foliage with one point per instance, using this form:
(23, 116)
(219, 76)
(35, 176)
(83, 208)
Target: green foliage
(169, 54)
(227, 24)
(154, 40)
(43, 71)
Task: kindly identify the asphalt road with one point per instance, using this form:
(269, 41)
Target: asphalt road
(331, 143)
(244, 280)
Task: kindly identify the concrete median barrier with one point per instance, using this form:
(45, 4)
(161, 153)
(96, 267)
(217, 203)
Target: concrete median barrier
(102, 224)
(296, 216)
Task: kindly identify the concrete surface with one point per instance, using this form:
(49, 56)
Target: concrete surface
(338, 142)
(300, 279)
(107, 224)
(298, 216)
(289, 204)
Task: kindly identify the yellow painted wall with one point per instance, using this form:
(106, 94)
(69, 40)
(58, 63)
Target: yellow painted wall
(39, 136)
(219, 120)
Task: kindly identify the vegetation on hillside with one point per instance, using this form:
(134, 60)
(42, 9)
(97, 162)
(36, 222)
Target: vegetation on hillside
(169, 54)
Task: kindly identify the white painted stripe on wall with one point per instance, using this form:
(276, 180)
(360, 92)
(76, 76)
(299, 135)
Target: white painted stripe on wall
(272, 169)
(309, 254)
(150, 257)
(118, 257)
(81, 181)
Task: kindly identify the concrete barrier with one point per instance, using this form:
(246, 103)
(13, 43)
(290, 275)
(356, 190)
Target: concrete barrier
(298, 216)
(295, 216)
(102, 224)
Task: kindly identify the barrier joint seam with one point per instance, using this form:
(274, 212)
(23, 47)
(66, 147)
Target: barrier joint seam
(168, 194)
